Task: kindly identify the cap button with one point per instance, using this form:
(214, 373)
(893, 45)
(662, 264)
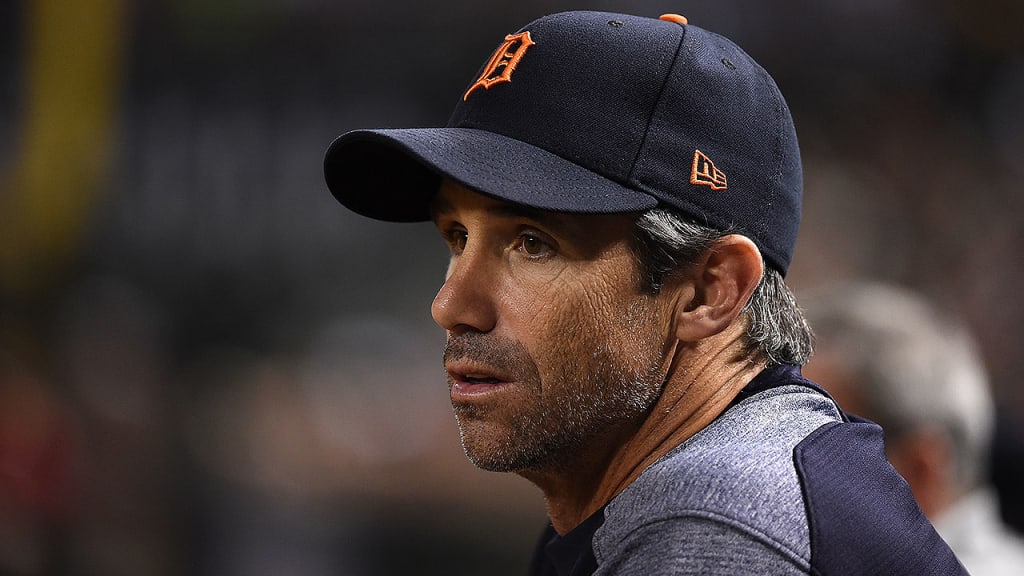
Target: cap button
(678, 19)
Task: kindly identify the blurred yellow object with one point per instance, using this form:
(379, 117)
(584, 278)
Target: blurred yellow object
(72, 71)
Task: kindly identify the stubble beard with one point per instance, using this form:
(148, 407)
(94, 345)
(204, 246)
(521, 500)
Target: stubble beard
(586, 397)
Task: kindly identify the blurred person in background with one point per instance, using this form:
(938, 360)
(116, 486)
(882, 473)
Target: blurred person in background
(620, 197)
(888, 354)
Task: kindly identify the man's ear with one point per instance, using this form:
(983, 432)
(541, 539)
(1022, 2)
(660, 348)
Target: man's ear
(722, 281)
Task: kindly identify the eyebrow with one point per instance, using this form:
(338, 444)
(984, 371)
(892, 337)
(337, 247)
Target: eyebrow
(440, 206)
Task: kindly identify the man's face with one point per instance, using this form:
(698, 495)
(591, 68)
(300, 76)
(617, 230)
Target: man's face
(554, 352)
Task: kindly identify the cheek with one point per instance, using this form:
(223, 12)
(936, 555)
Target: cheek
(576, 328)
(554, 314)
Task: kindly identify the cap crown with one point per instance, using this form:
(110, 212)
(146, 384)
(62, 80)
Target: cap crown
(634, 99)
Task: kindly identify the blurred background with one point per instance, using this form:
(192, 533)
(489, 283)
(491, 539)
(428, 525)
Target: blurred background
(209, 367)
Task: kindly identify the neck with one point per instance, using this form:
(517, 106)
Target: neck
(701, 382)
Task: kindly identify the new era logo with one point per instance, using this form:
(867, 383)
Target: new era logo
(704, 172)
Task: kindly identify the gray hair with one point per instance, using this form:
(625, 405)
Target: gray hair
(913, 366)
(777, 328)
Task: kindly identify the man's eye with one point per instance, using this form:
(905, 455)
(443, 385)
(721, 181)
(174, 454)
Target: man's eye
(457, 240)
(532, 245)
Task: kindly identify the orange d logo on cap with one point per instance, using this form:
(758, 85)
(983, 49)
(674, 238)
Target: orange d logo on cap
(505, 59)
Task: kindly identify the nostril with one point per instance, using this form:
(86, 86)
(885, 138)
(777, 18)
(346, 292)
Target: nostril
(459, 329)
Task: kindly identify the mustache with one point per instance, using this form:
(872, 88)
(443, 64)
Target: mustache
(505, 354)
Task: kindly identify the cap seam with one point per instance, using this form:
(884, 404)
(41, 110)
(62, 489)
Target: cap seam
(773, 182)
(655, 107)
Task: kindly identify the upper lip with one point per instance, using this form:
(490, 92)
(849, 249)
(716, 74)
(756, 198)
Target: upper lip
(465, 371)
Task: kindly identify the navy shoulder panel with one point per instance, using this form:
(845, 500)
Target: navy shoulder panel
(862, 516)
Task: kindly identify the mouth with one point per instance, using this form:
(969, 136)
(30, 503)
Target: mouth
(469, 381)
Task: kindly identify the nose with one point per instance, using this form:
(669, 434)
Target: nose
(466, 301)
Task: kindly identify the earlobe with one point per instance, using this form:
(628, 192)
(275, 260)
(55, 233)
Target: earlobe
(717, 289)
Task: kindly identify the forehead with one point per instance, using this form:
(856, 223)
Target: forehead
(453, 197)
(454, 200)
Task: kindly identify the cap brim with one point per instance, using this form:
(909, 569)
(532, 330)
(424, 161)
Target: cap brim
(392, 174)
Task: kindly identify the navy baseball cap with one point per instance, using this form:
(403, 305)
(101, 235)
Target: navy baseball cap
(592, 112)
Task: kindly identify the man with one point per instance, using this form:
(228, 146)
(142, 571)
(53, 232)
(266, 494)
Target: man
(886, 353)
(620, 197)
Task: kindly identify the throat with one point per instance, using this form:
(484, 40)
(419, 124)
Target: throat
(587, 484)
(578, 486)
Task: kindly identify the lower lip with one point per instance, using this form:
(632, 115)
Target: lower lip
(475, 390)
